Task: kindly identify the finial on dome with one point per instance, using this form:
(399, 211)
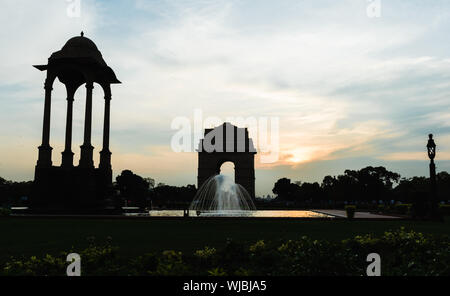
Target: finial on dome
(82, 34)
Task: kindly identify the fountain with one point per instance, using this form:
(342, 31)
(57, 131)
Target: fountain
(220, 196)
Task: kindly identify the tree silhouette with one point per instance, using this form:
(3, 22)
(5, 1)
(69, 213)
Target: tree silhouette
(133, 188)
(443, 186)
(285, 190)
(14, 193)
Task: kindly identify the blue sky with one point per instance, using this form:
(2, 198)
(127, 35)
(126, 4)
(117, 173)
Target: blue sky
(349, 90)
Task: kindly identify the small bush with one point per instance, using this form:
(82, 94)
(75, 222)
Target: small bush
(5, 212)
(33, 266)
(402, 209)
(95, 260)
(171, 263)
(350, 211)
(144, 265)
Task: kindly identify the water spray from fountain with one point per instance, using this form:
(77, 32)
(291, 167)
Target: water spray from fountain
(219, 195)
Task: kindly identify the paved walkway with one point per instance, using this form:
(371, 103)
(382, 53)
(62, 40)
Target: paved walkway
(363, 215)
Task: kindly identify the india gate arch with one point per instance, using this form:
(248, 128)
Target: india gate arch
(72, 187)
(227, 143)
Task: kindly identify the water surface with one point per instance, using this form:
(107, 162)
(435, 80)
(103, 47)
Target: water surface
(274, 214)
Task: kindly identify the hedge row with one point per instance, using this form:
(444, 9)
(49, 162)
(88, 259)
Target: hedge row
(402, 253)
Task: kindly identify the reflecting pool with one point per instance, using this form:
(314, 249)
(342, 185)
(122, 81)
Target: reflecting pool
(256, 214)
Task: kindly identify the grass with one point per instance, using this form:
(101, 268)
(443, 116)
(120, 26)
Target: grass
(39, 236)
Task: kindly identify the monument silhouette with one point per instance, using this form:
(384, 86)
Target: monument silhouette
(69, 187)
(227, 143)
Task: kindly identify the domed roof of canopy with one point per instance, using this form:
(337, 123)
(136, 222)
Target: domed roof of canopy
(79, 47)
(81, 42)
(79, 52)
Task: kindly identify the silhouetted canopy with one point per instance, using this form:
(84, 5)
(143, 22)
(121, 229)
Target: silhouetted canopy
(81, 52)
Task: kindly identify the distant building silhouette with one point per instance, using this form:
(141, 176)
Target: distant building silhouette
(227, 143)
(69, 187)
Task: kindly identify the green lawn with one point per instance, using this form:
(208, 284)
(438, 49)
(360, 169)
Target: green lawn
(37, 236)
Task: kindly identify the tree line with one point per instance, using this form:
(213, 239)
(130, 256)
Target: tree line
(132, 189)
(367, 185)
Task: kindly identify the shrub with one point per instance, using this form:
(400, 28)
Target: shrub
(402, 209)
(144, 265)
(5, 212)
(350, 210)
(201, 260)
(402, 253)
(170, 263)
(206, 253)
(100, 260)
(406, 253)
(95, 260)
(48, 266)
(306, 256)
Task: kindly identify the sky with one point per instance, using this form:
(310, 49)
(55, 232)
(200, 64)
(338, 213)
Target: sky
(352, 83)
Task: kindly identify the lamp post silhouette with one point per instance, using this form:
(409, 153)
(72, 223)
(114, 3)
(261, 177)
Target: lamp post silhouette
(431, 148)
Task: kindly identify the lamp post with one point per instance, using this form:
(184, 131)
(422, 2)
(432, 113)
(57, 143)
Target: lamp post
(431, 148)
